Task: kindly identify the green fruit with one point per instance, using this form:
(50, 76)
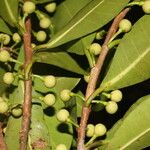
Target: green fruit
(62, 115)
(111, 107)
(125, 25)
(16, 112)
(116, 96)
(49, 99)
(65, 95)
(4, 56)
(45, 22)
(61, 147)
(51, 7)
(100, 130)
(95, 48)
(8, 78)
(16, 38)
(49, 81)
(3, 107)
(29, 7)
(146, 7)
(90, 130)
(4, 38)
(41, 36)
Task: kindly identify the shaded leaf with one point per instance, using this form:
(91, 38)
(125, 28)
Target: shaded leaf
(59, 59)
(39, 135)
(130, 64)
(2, 84)
(9, 11)
(133, 131)
(60, 133)
(80, 45)
(92, 17)
(4, 28)
(14, 124)
(66, 10)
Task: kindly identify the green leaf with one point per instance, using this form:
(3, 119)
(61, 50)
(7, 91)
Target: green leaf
(57, 136)
(9, 11)
(59, 59)
(92, 17)
(2, 84)
(130, 64)
(133, 131)
(80, 45)
(66, 10)
(14, 124)
(41, 1)
(4, 28)
(39, 131)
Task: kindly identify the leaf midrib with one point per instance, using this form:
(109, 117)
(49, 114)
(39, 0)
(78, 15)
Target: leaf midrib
(134, 139)
(10, 11)
(67, 31)
(128, 69)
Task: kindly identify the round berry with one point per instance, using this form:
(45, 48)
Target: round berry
(45, 22)
(65, 95)
(49, 99)
(62, 115)
(29, 7)
(125, 25)
(5, 38)
(95, 48)
(61, 147)
(49, 81)
(3, 107)
(8, 78)
(33, 45)
(111, 107)
(16, 112)
(41, 36)
(100, 130)
(146, 7)
(116, 96)
(4, 56)
(16, 38)
(51, 7)
(90, 130)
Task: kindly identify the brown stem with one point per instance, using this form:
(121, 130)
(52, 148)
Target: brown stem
(95, 71)
(2, 142)
(27, 87)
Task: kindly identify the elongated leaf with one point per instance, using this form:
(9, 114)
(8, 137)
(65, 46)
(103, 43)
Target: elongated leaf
(131, 64)
(80, 45)
(92, 17)
(39, 134)
(14, 124)
(9, 11)
(133, 132)
(3, 27)
(66, 10)
(55, 129)
(41, 1)
(60, 59)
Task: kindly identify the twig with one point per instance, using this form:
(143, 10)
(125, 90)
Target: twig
(2, 142)
(95, 71)
(27, 87)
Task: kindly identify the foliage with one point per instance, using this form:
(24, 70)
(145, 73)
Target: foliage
(65, 55)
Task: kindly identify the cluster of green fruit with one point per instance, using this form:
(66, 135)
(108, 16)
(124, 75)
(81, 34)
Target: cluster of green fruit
(44, 20)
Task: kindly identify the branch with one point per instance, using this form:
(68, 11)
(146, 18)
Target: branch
(95, 71)
(27, 87)
(2, 142)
